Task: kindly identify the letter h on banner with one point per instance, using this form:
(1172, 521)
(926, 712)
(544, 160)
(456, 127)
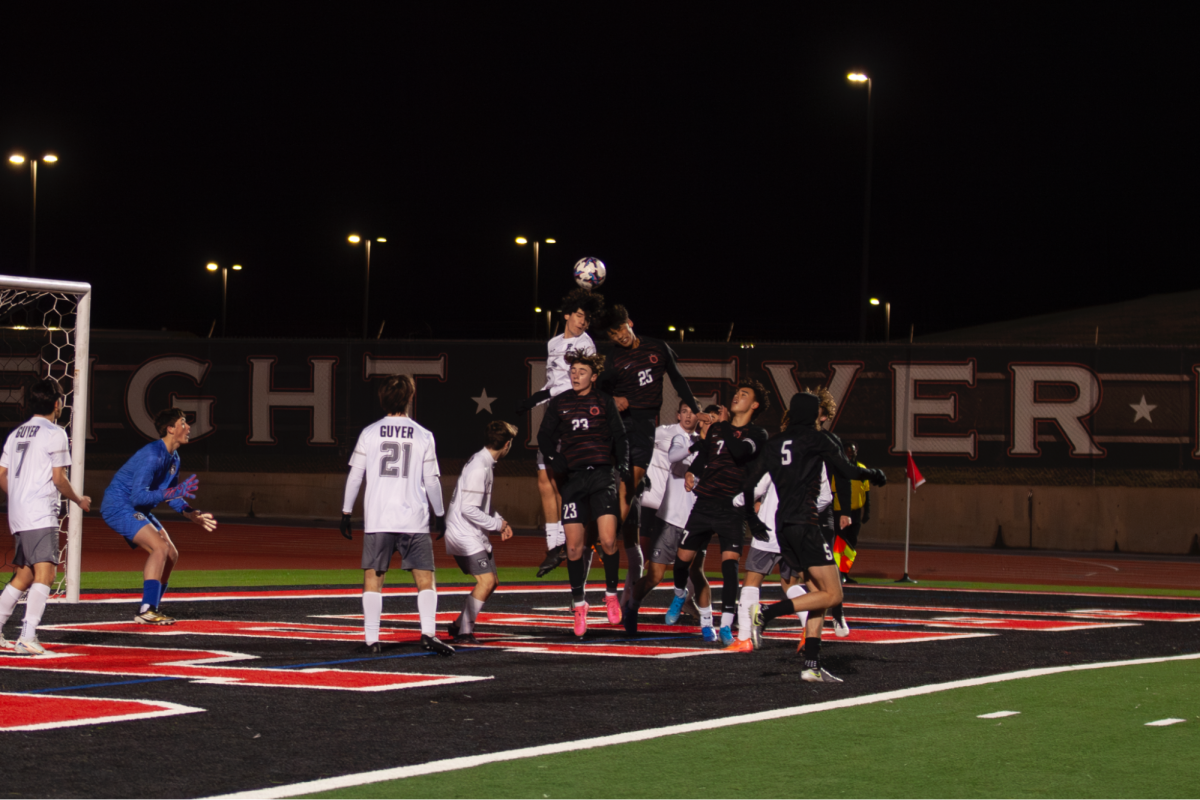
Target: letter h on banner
(317, 400)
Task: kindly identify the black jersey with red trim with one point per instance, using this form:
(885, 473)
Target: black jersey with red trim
(636, 373)
(796, 460)
(725, 457)
(586, 430)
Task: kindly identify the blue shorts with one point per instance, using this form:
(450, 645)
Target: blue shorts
(128, 521)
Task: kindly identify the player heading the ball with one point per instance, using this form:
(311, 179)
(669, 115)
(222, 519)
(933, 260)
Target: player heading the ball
(146, 480)
(33, 470)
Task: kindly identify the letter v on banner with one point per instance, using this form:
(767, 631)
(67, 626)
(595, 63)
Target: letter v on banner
(842, 375)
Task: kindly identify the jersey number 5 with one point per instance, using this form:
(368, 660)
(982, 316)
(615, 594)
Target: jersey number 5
(786, 452)
(394, 452)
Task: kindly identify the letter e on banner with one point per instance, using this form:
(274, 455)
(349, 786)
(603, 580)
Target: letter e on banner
(910, 406)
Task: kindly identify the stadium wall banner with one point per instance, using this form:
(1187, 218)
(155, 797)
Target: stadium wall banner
(294, 405)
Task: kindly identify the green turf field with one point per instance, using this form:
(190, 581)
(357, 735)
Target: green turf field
(1078, 734)
(198, 579)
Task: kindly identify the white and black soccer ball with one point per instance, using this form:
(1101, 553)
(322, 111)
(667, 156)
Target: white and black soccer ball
(590, 273)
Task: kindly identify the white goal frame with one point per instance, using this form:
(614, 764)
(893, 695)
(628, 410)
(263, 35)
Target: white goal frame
(79, 406)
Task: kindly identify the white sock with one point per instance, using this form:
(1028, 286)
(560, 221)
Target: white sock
(681, 592)
(35, 604)
(705, 616)
(427, 607)
(793, 593)
(471, 608)
(636, 561)
(372, 609)
(560, 536)
(726, 619)
(8, 602)
(749, 597)
(550, 537)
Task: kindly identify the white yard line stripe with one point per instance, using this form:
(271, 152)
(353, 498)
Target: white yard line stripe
(465, 762)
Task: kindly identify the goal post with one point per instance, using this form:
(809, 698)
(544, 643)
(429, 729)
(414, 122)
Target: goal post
(45, 328)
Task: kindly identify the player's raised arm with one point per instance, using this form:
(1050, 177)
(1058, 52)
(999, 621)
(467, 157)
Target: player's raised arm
(832, 453)
(678, 381)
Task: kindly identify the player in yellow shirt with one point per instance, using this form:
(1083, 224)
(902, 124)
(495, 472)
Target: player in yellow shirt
(852, 507)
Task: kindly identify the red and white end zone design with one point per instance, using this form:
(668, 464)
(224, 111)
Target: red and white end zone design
(41, 712)
(214, 667)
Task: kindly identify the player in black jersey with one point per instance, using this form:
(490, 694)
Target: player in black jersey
(796, 462)
(715, 477)
(582, 435)
(635, 380)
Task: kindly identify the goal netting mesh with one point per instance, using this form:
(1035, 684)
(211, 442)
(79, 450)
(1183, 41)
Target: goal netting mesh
(44, 333)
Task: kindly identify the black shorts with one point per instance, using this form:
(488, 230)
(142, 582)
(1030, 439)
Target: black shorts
(849, 534)
(804, 546)
(715, 515)
(589, 495)
(640, 435)
(649, 524)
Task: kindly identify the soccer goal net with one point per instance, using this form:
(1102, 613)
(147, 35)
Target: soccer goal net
(44, 332)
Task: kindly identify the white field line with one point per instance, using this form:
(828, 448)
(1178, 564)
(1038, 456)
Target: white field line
(466, 762)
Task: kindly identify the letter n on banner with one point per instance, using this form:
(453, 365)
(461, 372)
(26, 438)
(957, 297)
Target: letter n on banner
(910, 406)
(1030, 406)
(265, 397)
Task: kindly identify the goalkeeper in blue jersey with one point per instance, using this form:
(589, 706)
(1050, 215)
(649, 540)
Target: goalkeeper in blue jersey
(146, 480)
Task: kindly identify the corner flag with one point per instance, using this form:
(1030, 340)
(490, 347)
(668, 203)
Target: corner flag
(914, 474)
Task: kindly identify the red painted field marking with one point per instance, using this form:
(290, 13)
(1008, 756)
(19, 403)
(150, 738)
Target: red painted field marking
(40, 712)
(201, 666)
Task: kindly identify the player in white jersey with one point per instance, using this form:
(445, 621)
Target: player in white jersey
(470, 520)
(578, 308)
(33, 471)
(399, 460)
(671, 514)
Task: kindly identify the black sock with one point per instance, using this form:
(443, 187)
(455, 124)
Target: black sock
(836, 612)
(729, 591)
(577, 575)
(612, 571)
(776, 610)
(812, 652)
(681, 572)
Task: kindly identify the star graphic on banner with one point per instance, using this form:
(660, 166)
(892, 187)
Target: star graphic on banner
(484, 403)
(1142, 410)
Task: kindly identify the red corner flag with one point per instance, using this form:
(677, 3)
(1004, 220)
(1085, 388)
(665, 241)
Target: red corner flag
(914, 474)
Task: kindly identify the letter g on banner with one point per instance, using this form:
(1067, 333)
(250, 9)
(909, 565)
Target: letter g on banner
(138, 389)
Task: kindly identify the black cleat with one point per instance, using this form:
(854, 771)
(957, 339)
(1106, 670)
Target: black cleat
(464, 638)
(453, 630)
(436, 645)
(847, 579)
(555, 556)
(629, 620)
(370, 648)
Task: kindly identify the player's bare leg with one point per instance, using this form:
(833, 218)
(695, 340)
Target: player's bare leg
(628, 490)
(37, 581)
(551, 497)
(160, 560)
(825, 590)
(610, 554)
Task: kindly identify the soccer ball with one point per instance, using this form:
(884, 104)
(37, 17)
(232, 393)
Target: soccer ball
(590, 273)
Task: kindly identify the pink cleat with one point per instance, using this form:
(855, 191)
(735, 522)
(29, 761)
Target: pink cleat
(581, 619)
(613, 606)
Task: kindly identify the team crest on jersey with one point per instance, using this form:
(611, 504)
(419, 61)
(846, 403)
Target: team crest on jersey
(595, 411)
(653, 359)
(171, 470)
(139, 516)
(483, 562)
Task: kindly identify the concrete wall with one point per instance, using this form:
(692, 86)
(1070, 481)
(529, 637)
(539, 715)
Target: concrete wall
(1137, 520)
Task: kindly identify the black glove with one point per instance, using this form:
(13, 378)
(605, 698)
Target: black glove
(345, 527)
(758, 528)
(645, 483)
(439, 527)
(866, 515)
(877, 477)
(524, 406)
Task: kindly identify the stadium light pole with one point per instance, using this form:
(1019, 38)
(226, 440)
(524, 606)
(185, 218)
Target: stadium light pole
(522, 241)
(887, 317)
(354, 238)
(18, 159)
(211, 267)
(860, 78)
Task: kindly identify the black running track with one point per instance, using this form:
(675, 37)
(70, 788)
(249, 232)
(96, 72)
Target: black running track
(542, 686)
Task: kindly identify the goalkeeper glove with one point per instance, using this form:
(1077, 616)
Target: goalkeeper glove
(185, 489)
(758, 528)
(345, 527)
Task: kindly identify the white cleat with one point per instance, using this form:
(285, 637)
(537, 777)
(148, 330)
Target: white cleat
(29, 647)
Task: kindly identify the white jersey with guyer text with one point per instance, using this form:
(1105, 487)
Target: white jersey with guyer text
(400, 461)
(659, 471)
(30, 453)
(677, 502)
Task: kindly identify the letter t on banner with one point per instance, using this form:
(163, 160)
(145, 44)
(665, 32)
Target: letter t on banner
(914, 480)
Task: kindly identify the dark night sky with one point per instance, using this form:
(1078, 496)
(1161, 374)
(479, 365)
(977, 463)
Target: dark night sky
(1026, 160)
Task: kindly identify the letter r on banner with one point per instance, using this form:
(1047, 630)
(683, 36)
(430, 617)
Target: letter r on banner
(1028, 408)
